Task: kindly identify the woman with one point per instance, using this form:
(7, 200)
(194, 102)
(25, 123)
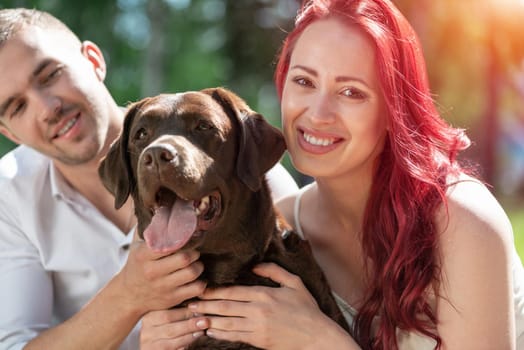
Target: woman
(418, 253)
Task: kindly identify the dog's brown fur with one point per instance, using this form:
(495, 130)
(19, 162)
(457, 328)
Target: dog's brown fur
(215, 144)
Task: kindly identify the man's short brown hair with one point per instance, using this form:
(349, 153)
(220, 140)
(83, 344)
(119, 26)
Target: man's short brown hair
(13, 20)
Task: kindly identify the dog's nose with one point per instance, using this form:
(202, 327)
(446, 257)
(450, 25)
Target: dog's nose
(158, 155)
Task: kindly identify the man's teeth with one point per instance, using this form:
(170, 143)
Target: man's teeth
(66, 127)
(317, 141)
(204, 204)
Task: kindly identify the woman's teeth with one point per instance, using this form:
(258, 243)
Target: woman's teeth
(317, 141)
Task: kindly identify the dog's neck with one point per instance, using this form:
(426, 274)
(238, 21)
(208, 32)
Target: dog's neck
(259, 230)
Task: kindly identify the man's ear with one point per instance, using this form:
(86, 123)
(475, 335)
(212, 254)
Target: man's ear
(5, 131)
(93, 53)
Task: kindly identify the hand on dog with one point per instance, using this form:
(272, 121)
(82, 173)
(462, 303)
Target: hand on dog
(287, 317)
(158, 281)
(170, 329)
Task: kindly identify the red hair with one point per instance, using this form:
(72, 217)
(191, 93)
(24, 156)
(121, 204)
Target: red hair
(399, 235)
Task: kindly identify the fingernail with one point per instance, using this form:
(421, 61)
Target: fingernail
(210, 333)
(198, 334)
(201, 324)
(192, 306)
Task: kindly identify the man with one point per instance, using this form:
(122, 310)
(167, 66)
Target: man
(71, 275)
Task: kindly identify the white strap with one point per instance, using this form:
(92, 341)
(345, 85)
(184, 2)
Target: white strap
(296, 210)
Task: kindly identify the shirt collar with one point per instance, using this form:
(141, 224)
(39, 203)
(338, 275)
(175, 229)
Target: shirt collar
(59, 186)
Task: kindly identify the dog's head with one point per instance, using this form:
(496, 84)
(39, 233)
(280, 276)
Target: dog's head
(182, 157)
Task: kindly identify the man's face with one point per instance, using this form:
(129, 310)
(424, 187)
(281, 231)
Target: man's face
(52, 96)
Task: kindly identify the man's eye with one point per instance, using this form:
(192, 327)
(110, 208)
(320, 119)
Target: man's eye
(17, 108)
(52, 76)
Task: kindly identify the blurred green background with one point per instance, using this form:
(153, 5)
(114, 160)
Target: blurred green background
(474, 51)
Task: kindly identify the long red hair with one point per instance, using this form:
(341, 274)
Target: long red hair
(399, 236)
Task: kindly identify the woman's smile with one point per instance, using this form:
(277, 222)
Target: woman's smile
(317, 142)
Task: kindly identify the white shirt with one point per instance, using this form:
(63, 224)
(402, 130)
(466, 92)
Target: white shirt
(56, 249)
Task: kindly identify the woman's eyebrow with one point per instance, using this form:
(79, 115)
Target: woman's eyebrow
(307, 69)
(338, 79)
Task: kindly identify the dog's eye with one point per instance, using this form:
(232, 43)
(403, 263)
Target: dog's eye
(141, 134)
(204, 125)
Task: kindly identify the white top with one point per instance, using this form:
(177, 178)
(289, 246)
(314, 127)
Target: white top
(416, 341)
(56, 249)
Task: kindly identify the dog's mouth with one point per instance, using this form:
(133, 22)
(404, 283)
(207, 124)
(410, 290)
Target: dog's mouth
(176, 220)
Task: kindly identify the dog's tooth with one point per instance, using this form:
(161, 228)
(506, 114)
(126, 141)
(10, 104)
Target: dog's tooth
(204, 203)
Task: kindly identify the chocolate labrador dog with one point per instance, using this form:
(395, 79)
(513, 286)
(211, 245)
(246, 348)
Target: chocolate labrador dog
(194, 164)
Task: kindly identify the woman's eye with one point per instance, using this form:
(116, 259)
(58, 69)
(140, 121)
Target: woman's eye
(354, 93)
(303, 81)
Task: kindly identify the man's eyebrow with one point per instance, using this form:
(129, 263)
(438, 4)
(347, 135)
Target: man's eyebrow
(36, 72)
(41, 67)
(5, 105)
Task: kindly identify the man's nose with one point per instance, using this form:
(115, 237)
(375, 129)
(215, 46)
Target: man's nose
(46, 106)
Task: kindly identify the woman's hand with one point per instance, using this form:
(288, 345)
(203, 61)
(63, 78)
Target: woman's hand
(287, 317)
(170, 329)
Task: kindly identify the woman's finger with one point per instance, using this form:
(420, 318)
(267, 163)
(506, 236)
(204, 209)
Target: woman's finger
(233, 336)
(237, 293)
(222, 307)
(279, 275)
(237, 324)
(156, 318)
(171, 343)
(171, 329)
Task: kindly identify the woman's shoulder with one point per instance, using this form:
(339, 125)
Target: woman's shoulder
(475, 232)
(475, 252)
(474, 212)
(286, 206)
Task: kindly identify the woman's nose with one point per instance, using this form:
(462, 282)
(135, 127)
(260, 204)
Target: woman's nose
(322, 110)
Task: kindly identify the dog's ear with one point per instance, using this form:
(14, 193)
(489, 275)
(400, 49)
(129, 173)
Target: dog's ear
(115, 169)
(261, 145)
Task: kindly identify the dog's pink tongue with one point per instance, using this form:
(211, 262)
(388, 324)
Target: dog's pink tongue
(170, 230)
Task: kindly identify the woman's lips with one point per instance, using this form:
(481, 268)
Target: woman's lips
(317, 143)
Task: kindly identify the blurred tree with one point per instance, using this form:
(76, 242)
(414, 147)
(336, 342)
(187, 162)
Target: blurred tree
(471, 46)
(153, 46)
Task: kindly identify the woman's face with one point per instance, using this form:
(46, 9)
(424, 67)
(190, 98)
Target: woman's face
(333, 114)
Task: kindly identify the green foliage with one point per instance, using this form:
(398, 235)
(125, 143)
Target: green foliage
(5, 145)
(153, 46)
(516, 215)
